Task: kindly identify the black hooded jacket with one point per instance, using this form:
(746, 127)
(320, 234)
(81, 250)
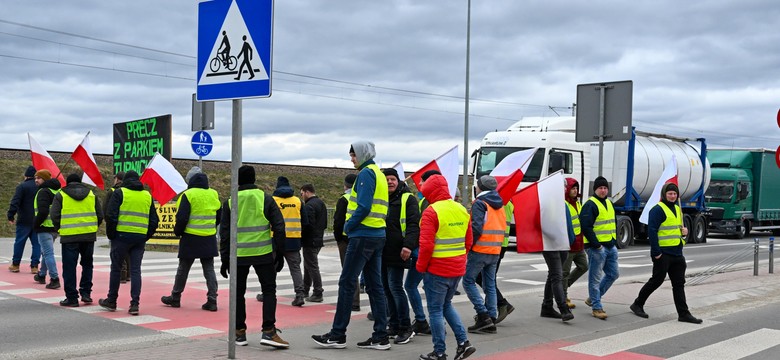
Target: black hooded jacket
(317, 212)
(77, 191)
(391, 254)
(22, 203)
(45, 198)
(112, 214)
(194, 246)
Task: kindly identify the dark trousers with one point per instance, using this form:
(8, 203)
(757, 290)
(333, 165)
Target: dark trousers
(397, 301)
(70, 256)
(266, 273)
(122, 251)
(183, 272)
(553, 288)
(674, 266)
(499, 297)
(342, 252)
(311, 270)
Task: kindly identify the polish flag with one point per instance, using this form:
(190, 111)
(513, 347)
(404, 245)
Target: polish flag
(83, 157)
(400, 169)
(510, 171)
(668, 176)
(42, 160)
(540, 216)
(163, 179)
(447, 165)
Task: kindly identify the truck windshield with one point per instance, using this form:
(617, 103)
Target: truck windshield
(720, 192)
(489, 157)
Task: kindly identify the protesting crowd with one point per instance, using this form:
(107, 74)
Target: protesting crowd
(388, 238)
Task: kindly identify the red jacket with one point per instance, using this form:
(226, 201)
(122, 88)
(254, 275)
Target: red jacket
(435, 189)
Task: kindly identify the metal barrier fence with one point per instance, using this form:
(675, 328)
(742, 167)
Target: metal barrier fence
(738, 256)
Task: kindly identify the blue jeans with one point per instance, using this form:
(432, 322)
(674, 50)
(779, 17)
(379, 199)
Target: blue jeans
(484, 264)
(439, 292)
(46, 242)
(363, 254)
(606, 260)
(397, 302)
(24, 232)
(413, 280)
(70, 255)
(134, 250)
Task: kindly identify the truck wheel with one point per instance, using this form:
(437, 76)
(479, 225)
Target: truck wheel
(744, 229)
(625, 232)
(699, 231)
(688, 223)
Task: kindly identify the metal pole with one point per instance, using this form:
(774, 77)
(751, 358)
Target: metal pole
(465, 182)
(772, 255)
(755, 257)
(235, 164)
(200, 162)
(603, 93)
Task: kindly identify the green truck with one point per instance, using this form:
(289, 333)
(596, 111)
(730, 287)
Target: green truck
(744, 191)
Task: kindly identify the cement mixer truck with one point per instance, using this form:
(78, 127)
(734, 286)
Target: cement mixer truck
(632, 168)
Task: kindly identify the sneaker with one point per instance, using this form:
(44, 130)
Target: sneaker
(588, 302)
(259, 297)
(638, 311)
(404, 336)
(371, 343)
(570, 304)
(421, 327)
(298, 301)
(170, 301)
(271, 338)
(433, 356)
(70, 303)
(504, 311)
(13, 268)
(464, 350)
(39, 279)
(483, 321)
(86, 299)
(391, 333)
(314, 298)
(53, 284)
(133, 310)
(329, 341)
(107, 304)
(33, 269)
(209, 306)
(600, 314)
(241, 337)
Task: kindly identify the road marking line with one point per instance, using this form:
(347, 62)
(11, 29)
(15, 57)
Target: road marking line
(142, 319)
(89, 309)
(3, 283)
(49, 300)
(630, 339)
(735, 348)
(23, 291)
(525, 282)
(192, 331)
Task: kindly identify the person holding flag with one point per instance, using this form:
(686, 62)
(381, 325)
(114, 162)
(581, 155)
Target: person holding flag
(577, 251)
(666, 236)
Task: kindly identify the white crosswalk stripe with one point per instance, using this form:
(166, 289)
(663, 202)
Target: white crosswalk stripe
(735, 348)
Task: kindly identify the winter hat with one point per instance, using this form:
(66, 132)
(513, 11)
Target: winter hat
(30, 172)
(391, 172)
(599, 182)
(282, 182)
(486, 183)
(349, 180)
(73, 178)
(670, 187)
(130, 176)
(429, 173)
(43, 174)
(246, 175)
(191, 173)
(120, 175)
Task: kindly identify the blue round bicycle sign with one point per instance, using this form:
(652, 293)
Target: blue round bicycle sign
(202, 143)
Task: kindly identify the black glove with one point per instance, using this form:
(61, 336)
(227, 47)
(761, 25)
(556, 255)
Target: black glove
(279, 263)
(224, 270)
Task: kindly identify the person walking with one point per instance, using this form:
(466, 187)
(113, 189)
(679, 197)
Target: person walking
(403, 233)
(488, 224)
(131, 220)
(445, 234)
(666, 235)
(21, 213)
(553, 287)
(76, 214)
(295, 220)
(197, 216)
(116, 183)
(246, 52)
(576, 254)
(312, 242)
(260, 245)
(597, 221)
(365, 227)
(44, 227)
(342, 241)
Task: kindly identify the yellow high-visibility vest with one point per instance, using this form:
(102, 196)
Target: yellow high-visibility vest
(574, 211)
(253, 236)
(291, 211)
(134, 211)
(46, 222)
(604, 226)
(204, 204)
(78, 217)
(378, 212)
(670, 231)
(450, 238)
(493, 231)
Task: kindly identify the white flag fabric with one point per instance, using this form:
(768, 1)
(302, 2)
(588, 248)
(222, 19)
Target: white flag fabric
(83, 157)
(42, 160)
(510, 171)
(447, 165)
(400, 169)
(540, 216)
(164, 181)
(669, 175)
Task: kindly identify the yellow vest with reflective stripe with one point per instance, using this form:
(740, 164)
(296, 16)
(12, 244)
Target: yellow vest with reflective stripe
(404, 198)
(134, 211)
(78, 217)
(450, 239)
(575, 217)
(604, 227)
(254, 231)
(46, 222)
(204, 204)
(378, 212)
(509, 211)
(291, 211)
(493, 231)
(346, 216)
(670, 231)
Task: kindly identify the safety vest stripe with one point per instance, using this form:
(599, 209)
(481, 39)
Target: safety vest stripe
(575, 217)
(490, 243)
(673, 227)
(292, 219)
(70, 216)
(450, 241)
(493, 232)
(446, 249)
(603, 232)
(132, 223)
(82, 224)
(377, 215)
(604, 222)
(202, 217)
(251, 245)
(253, 228)
(134, 213)
(204, 226)
(669, 237)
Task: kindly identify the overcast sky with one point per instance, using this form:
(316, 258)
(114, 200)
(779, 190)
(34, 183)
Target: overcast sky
(392, 72)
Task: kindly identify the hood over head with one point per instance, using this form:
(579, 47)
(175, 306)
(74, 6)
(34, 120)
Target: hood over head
(246, 175)
(132, 181)
(492, 198)
(194, 170)
(364, 151)
(570, 183)
(76, 190)
(198, 180)
(436, 189)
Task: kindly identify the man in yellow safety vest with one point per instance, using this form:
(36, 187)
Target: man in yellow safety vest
(597, 221)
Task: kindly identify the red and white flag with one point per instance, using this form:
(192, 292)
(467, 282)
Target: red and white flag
(447, 165)
(510, 171)
(163, 179)
(540, 216)
(42, 160)
(668, 176)
(400, 169)
(83, 157)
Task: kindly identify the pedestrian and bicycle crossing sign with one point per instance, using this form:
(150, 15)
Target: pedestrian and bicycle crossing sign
(235, 42)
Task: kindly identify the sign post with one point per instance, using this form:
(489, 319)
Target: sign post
(226, 74)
